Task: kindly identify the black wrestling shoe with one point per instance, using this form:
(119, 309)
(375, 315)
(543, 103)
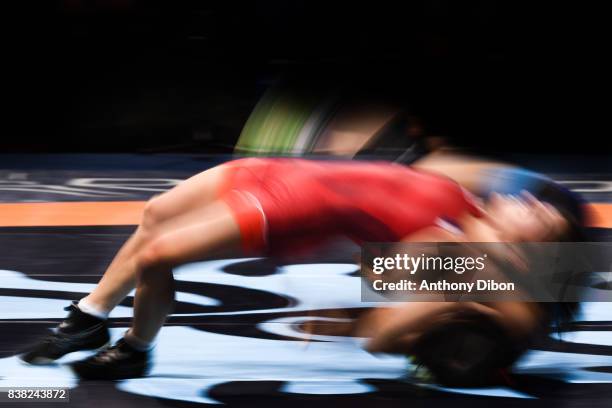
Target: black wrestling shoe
(117, 362)
(79, 331)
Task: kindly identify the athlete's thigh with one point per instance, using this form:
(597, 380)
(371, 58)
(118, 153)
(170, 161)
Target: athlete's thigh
(202, 234)
(191, 194)
(192, 216)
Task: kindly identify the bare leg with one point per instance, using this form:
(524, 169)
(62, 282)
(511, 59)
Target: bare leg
(216, 233)
(153, 302)
(161, 213)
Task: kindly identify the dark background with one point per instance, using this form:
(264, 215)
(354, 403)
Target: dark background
(147, 76)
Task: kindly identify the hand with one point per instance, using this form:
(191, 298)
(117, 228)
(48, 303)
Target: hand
(525, 218)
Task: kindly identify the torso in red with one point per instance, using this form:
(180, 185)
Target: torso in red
(307, 202)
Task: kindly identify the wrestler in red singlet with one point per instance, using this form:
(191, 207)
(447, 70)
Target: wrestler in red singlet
(288, 204)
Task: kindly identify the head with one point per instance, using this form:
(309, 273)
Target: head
(525, 206)
(469, 352)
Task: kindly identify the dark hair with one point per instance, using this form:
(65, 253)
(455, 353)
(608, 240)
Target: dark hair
(469, 352)
(572, 207)
(569, 204)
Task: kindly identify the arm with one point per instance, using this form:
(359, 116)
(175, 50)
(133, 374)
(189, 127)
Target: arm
(464, 169)
(403, 325)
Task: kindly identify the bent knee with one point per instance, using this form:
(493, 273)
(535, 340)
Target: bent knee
(154, 212)
(157, 253)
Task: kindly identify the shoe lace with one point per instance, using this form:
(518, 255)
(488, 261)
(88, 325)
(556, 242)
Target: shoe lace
(57, 336)
(110, 353)
(72, 307)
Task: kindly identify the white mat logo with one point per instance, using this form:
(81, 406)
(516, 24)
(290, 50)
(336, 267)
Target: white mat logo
(88, 187)
(126, 187)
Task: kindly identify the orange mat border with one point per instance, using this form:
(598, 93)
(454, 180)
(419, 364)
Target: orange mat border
(71, 213)
(130, 212)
